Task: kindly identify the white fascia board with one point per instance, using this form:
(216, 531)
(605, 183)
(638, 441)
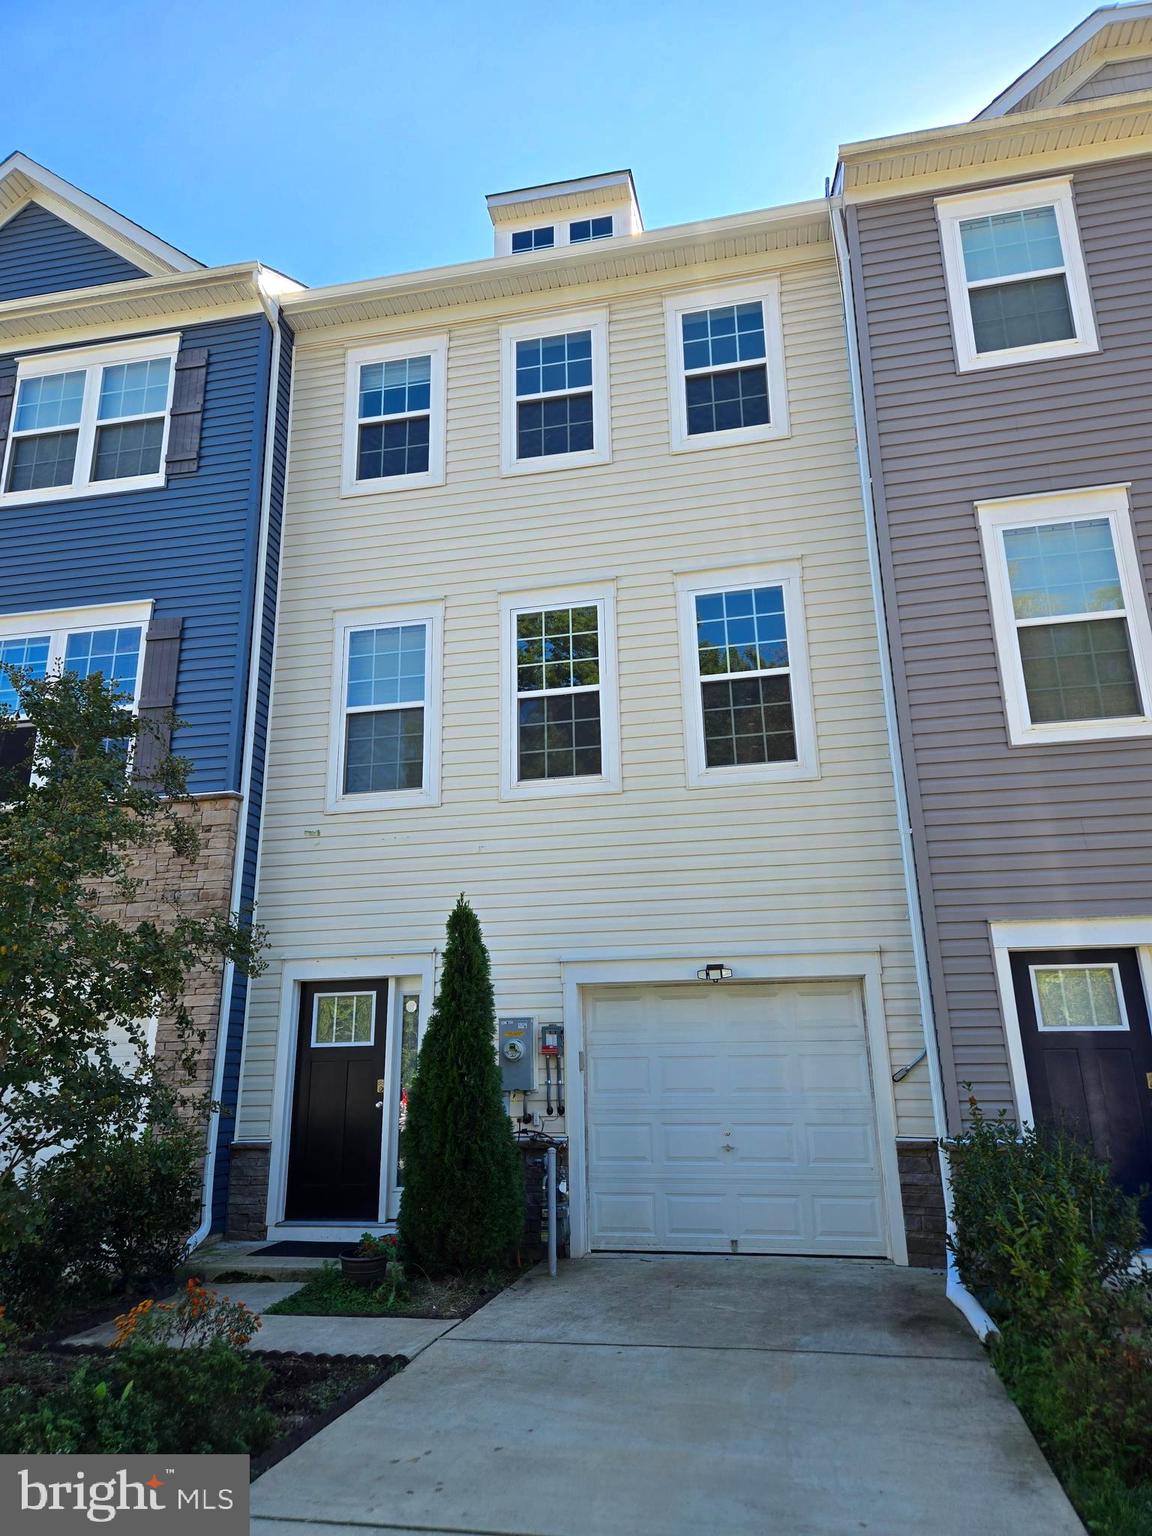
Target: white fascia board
(175, 260)
(495, 266)
(1048, 63)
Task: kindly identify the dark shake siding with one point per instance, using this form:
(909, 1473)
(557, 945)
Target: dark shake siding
(40, 253)
(1006, 832)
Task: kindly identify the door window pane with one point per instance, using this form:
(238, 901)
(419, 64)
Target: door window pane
(1078, 997)
(343, 1018)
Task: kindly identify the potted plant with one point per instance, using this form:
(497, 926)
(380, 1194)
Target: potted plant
(367, 1263)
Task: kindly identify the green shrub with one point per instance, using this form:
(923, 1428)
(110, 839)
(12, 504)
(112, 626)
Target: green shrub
(1040, 1224)
(462, 1206)
(145, 1398)
(86, 1224)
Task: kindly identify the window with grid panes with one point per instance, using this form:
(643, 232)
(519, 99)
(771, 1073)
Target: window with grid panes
(1071, 624)
(384, 709)
(558, 693)
(1014, 269)
(88, 425)
(554, 413)
(744, 677)
(725, 368)
(394, 415)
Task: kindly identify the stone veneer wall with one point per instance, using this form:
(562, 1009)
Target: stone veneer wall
(196, 889)
(923, 1194)
(248, 1191)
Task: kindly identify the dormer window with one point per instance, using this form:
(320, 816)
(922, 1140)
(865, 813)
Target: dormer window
(534, 239)
(580, 230)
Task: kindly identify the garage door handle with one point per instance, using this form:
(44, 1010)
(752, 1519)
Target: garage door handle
(727, 1147)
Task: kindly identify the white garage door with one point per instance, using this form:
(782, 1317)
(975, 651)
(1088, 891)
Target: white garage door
(732, 1118)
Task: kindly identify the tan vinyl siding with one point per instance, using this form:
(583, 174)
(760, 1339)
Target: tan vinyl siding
(1116, 78)
(1008, 832)
(798, 864)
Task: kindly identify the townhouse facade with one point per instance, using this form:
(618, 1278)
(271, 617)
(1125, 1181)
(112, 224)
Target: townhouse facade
(576, 616)
(1001, 273)
(143, 418)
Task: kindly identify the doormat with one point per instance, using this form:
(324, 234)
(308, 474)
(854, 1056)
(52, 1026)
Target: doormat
(304, 1250)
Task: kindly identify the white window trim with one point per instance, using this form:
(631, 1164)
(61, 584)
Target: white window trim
(1095, 1029)
(1065, 506)
(767, 292)
(92, 360)
(59, 623)
(551, 324)
(343, 1045)
(950, 211)
(431, 615)
(688, 588)
(435, 347)
(1057, 933)
(608, 780)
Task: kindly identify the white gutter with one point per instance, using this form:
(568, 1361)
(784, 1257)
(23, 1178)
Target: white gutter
(227, 982)
(957, 1293)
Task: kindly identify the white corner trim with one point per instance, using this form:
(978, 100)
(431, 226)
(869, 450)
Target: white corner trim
(431, 615)
(994, 517)
(608, 780)
(554, 324)
(1056, 933)
(786, 575)
(1055, 191)
(765, 291)
(436, 348)
(807, 965)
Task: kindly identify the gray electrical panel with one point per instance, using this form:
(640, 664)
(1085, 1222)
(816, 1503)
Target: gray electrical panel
(517, 1039)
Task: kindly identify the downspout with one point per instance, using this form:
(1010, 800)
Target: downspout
(956, 1291)
(255, 634)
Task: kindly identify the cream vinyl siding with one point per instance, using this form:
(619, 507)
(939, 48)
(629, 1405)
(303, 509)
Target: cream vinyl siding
(805, 865)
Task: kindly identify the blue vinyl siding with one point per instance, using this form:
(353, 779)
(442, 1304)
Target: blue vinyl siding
(40, 253)
(234, 1044)
(190, 546)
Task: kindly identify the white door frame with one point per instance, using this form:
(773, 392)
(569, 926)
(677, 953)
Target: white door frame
(419, 964)
(1058, 933)
(863, 965)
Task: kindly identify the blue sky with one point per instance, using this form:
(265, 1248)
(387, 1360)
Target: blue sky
(351, 138)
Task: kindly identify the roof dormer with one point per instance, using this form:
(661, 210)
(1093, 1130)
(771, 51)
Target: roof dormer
(565, 213)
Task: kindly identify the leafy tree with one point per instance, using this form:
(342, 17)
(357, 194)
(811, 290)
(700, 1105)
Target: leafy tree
(71, 970)
(462, 1206)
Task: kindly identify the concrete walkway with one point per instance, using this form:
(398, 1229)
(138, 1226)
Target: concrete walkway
(312, 1335)
(665, 1396)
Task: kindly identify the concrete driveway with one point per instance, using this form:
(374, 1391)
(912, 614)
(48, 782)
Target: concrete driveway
(654, 1396)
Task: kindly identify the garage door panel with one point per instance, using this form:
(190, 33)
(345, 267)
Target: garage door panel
(732, 1114)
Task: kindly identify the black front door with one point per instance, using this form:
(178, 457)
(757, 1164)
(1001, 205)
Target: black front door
(1088, 1051)
(337, 1114)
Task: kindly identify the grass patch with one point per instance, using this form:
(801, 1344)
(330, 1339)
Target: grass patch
(329, 1294)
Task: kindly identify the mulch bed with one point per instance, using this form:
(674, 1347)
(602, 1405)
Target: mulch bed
(307, 1391)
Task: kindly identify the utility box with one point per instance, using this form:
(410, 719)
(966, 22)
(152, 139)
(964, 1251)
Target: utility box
(516, 1045)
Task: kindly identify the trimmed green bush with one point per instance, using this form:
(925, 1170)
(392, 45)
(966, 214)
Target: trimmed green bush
(462, 1206)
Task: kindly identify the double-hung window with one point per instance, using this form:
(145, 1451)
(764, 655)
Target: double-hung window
(556, 409)
(84, 641)
(89, 421)
(1017, 286)
(1070, 616)
(561, 734)
(726, 366)
(385, 733)
(748, 706)
(394, 428)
